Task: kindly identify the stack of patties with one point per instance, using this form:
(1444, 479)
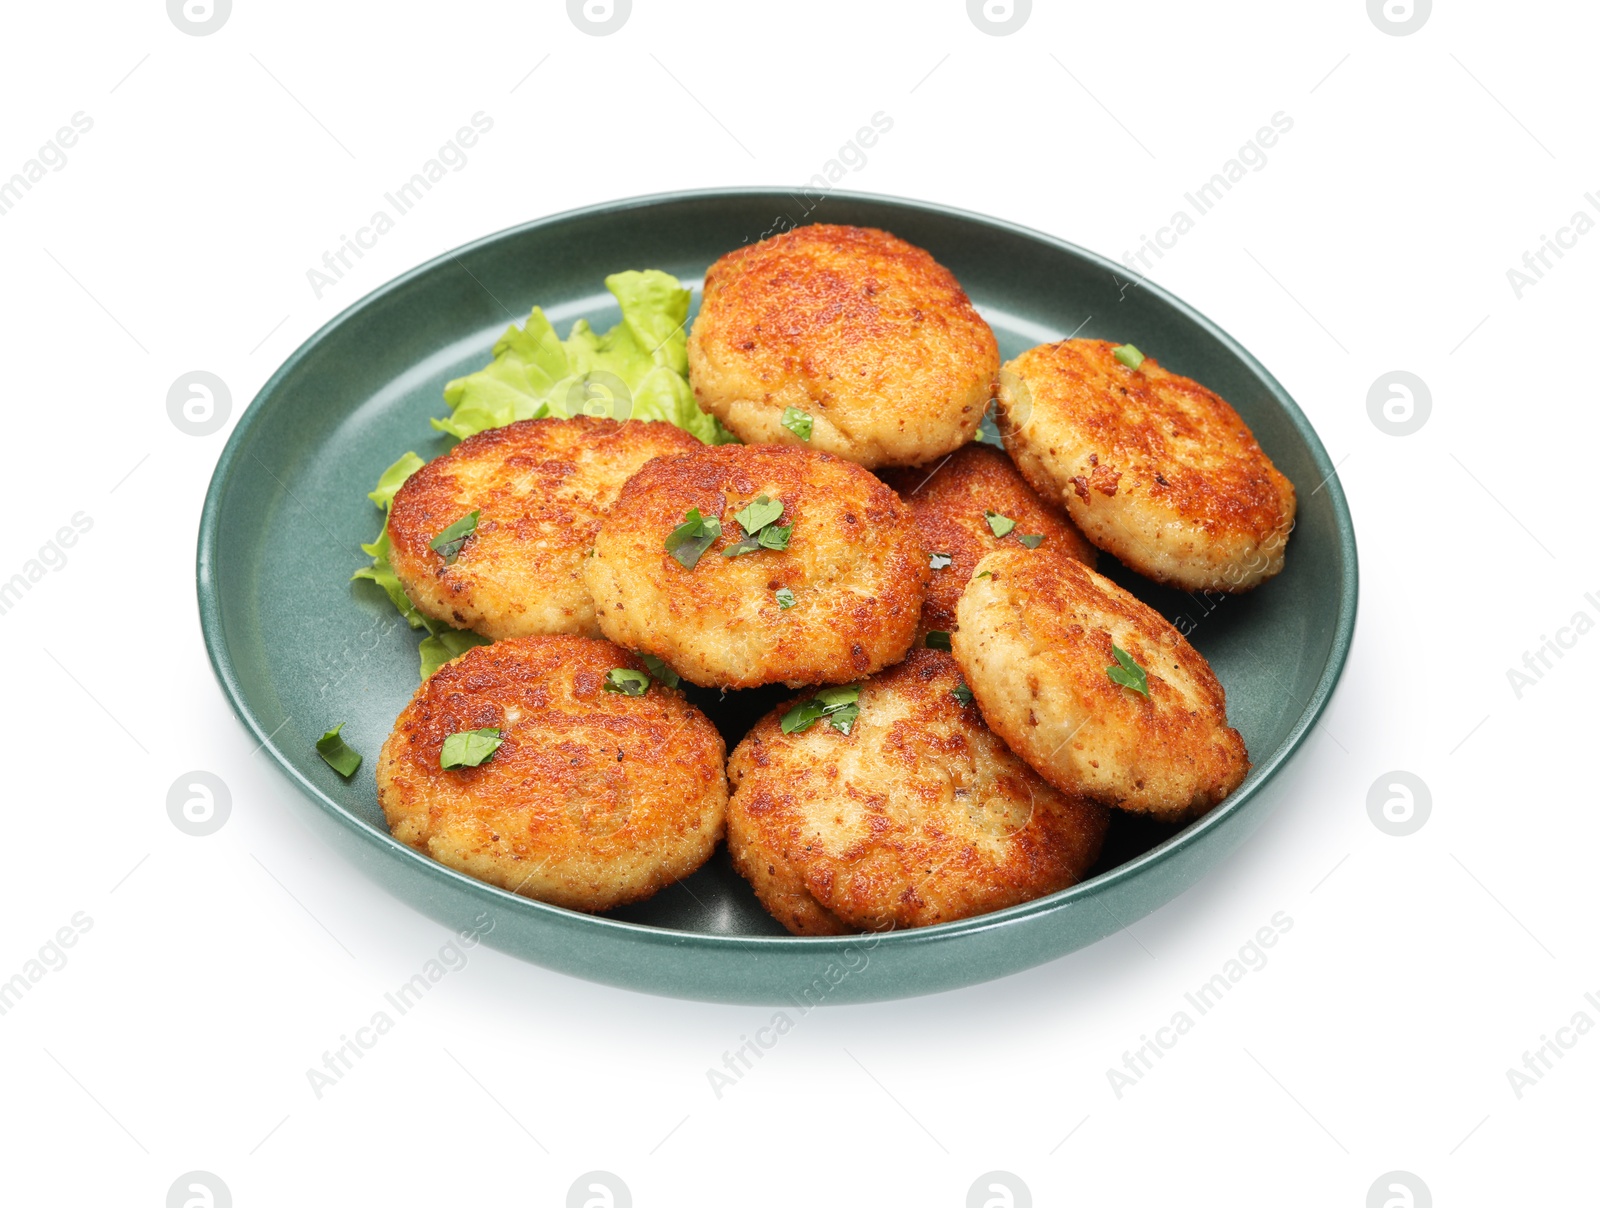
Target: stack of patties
(974, 698)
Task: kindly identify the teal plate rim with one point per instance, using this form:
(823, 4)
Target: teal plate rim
(811, 946)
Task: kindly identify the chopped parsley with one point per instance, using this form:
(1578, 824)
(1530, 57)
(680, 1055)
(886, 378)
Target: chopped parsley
(1031, 540)
(998, 525)
(1128, 355)
(962, 693)
(337, 754)
(844, 719)
(659, 671)
(785, 598)
(837, 705)
(448, 543)
(470, 748)
(693, 537)
(937, 639)
(756, 516)
(938, 561)
(760, 531)
(627, 681)
(1127, 672)
(797, 421)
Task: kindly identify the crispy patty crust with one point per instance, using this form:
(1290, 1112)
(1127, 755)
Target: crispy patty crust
(539, 486)
(1153, 467)
(594, 798)
(869, 336)
(953, 501)
(1034, 639)
(919, 815)
(853, 569)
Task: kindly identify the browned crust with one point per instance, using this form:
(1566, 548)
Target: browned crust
(1151, 465)
(540, 486)
(593, 799)
(854, 564)
(871, 335)
(919, 816)
(950, 500)
(1034, 641)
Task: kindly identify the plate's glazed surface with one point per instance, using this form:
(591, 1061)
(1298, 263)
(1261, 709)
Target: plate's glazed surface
(298, 648)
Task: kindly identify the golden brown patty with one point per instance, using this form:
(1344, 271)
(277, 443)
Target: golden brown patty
(868, 335)
(1034, 640)
(593, 799)
(853, 565)
(951, 501)
(539, 486)
(1153, 467)
(919, 815)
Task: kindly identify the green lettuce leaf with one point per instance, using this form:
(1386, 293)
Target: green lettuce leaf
(393, 478)
(637, 370)
(439, 648)
(442, 643)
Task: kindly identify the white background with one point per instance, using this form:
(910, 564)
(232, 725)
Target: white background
(1418, 969)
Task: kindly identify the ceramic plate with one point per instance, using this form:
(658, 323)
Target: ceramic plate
(298, 647)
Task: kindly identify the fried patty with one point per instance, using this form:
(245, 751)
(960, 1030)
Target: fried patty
(1034, 639)
(1153, 467)
(539, 487)
(919, 815)
(953, 500)
(853, 567)
(869, 336)
(594, 798)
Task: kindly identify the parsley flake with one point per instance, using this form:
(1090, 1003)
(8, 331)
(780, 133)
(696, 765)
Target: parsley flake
(693, 537)
(937, 639)
(337, 754)
(785, 598)
(759, 514)
(838, 705)
(1031, 540)
(659, 671)
(470, 748)
(627, 681)
(938, 561)
(962, 693)
(760, 531)
(448, 543)
(843, 719)
(1127, 673)
(999, 525)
